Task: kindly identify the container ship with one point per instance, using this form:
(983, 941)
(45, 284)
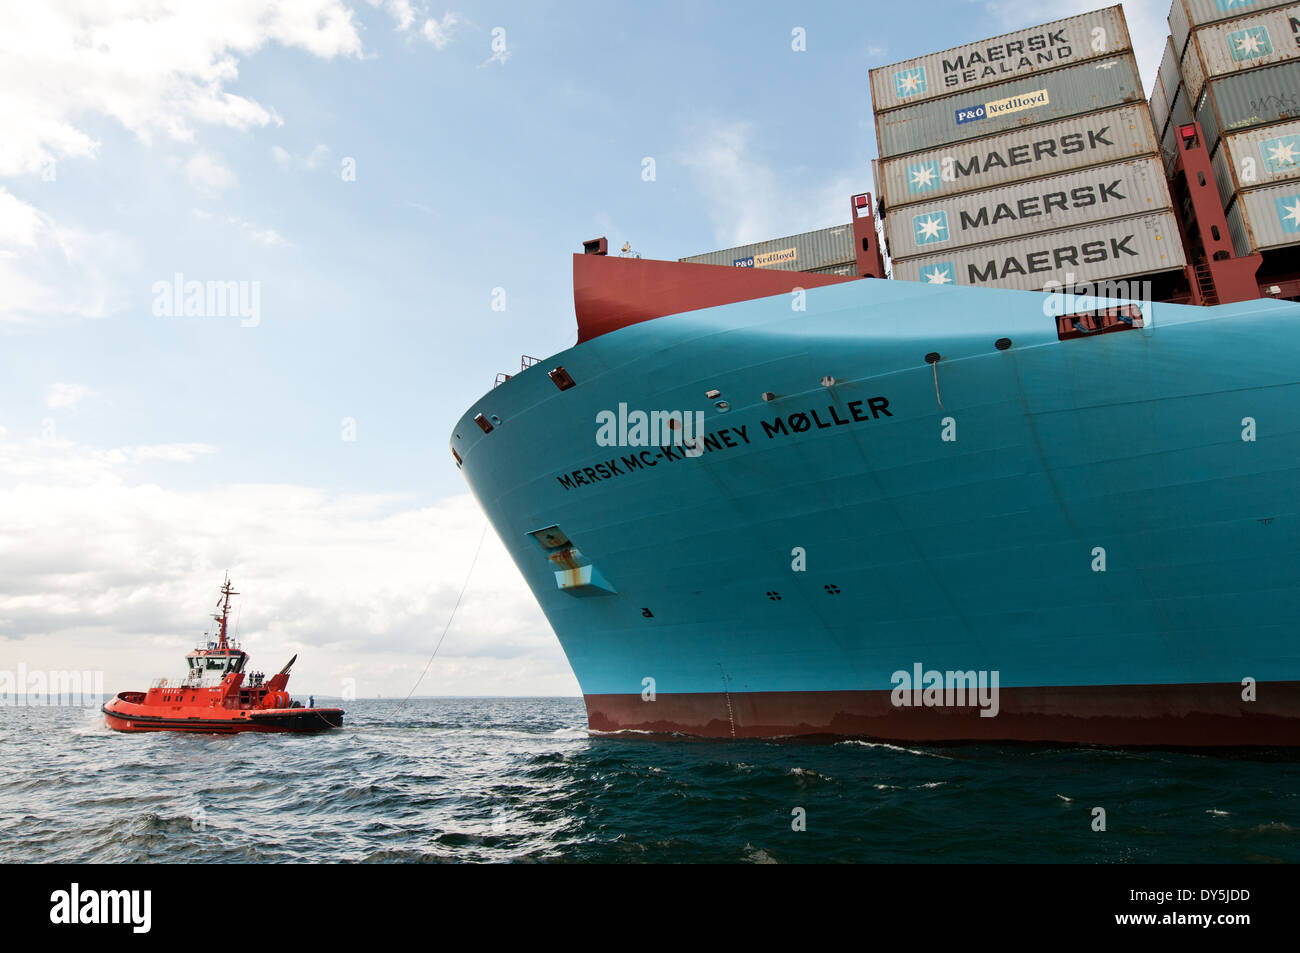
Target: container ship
(1012, 455)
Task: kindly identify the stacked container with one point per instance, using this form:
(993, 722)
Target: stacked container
(1239, 64)
(1022, 160)
(827, 251)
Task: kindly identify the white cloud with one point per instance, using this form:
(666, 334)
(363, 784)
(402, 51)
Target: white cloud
(259, 234)
(155, 66)
(209, 174)
(49, 269)
(66, 396)
(748, 200)
(439, 32)
(168, 452)
(20, 223)
(360, 584)
(400, 10)
(311, 161)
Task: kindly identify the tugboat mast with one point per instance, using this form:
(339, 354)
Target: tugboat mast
(227, 590)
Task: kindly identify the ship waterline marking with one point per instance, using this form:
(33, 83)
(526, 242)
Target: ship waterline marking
(728, 438)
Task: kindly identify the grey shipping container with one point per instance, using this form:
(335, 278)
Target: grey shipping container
(1059, 94)
(1124, 248)
(1187, 15)
(1044, 150)
(807, 251)
(1010, 56)
(1136, 187)
(1247, 42)
(1180, 113)
(1169, 77)
(1267, 218)
(1268, 155)
(1255, 98)
(1159, 104)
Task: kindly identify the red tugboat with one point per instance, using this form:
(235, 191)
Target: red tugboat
(238, 701)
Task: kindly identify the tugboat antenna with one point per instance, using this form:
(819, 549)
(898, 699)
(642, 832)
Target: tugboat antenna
(227, 590)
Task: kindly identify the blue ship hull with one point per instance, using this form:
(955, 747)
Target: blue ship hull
(1106, 527)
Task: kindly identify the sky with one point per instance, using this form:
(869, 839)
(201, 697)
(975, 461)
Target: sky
(380, 199)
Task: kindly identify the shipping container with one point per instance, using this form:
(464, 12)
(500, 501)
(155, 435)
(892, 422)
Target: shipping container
(1255, 158)
(808, 251)
(1050, 149)
(1062, 93)
(1123, 190)
(972, 66)
(1245, 43)
(1169, 77)
(1180, 113)
(1187, 15)
(1159, 105)
(1244, 100)
(1267, 218)
(1108, 251)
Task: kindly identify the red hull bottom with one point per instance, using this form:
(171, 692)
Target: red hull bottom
(1212, 715)
(296, 720)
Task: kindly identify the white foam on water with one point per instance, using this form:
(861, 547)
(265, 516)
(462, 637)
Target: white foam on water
(882, 744)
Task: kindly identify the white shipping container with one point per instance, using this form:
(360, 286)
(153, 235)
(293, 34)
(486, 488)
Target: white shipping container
(1260, 39)
(1267, 218)
(1136, 187)
(1125, 248)
(1002, 58)
(1185, 15)
(1047, 97)
(1267, 155)
(1050, 149)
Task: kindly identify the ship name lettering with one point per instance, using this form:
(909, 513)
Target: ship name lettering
(859, 411)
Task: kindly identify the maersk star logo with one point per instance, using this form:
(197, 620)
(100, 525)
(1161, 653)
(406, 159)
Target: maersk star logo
(930, 228)
(1281, 154)
(1250, 43)
(909, 82)
(1226, 5)
(1288, 213)
(922, 177)
(940, 273)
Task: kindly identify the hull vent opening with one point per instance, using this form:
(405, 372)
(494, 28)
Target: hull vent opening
(561, 378)
(574, 573)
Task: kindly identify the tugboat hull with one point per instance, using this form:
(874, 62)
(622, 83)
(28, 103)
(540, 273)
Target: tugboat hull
(243, 701)
(121, 714)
